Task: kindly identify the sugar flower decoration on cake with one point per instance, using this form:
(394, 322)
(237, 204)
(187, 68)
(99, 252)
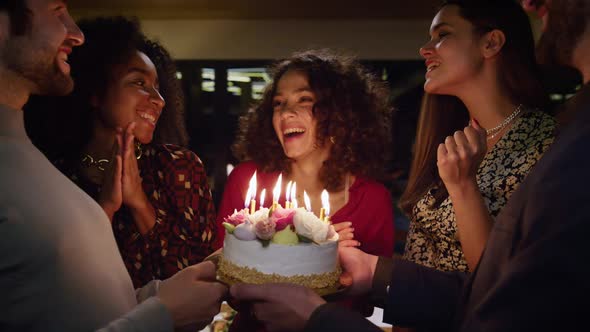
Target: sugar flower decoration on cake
(332, 234)
(238, 217)
(258, 216)
(282, 217)
(308, 225)
(265, 229)
(245, 231)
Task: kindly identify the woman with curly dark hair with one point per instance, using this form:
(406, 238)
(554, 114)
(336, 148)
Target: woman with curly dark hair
(323, 124)
(113, 137)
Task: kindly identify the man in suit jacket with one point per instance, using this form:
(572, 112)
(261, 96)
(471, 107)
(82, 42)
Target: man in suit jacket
(535, 271)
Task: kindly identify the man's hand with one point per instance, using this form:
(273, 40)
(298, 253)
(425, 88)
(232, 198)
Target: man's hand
(280, 307)
(359, 268)
(192, 296)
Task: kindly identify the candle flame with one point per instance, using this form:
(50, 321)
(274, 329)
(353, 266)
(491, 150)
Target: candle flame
(326, 201)
(262, 195)
(288, 192)
(253, 184)
(276, 193)
(307, 201)
(251, 193)
(248, 197)
(293, 196)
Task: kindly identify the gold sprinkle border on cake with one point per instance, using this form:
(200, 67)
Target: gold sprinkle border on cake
(253, 276)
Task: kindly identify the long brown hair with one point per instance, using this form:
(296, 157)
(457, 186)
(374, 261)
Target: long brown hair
(442, 115)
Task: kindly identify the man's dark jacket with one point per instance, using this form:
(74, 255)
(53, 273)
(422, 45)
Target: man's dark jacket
(534, 274)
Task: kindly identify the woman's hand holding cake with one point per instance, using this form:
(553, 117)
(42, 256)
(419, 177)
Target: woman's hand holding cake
(346, 234)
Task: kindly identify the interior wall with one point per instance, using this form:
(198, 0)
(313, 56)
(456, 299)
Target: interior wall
(271, 39)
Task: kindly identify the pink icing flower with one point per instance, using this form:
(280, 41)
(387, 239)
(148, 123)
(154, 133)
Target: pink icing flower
(237, 218)
(265, 229)
(282, 217)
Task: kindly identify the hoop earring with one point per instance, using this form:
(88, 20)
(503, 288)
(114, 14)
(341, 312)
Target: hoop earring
(138, 150)
(333, 139)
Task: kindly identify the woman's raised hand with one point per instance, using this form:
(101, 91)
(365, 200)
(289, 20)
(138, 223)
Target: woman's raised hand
(111, 195)
(133, 194)
(459, 157)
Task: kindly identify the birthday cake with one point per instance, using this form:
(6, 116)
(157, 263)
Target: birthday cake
(280, 245)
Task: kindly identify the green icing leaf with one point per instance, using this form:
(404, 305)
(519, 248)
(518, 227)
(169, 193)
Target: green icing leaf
(271, 210)
(229, 227)
(304, 239)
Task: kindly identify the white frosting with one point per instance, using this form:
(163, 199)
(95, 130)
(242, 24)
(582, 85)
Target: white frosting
(302, 259)
(310, 226)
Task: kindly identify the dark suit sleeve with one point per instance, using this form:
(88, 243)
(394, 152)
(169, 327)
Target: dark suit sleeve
(412, 295)
(545, 283)
(419, 296)
(332, 317)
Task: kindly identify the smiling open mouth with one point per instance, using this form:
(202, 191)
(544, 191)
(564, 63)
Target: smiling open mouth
(432, 67)
(150, 118)
(293, 132)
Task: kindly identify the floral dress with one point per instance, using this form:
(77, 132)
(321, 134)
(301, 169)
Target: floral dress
(433, 238)
(175, 183)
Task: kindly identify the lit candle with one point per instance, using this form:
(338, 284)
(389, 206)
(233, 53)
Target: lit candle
(325, 210)
(262, 194)
(276, 193)
(307, 201)
(287, 193)
(293, 197)
(248, 197)
(252, 193)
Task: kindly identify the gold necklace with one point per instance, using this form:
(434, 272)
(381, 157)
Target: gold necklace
(88, 161)
(491, 133)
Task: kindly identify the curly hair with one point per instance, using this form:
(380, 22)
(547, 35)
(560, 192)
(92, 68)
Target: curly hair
(352, 109)
(110, 42)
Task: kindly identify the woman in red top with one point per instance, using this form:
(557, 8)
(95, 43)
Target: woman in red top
(156, 194)
(323, 124)
(368, 206)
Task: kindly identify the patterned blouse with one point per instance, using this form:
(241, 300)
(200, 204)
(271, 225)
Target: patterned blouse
(433, 238)
(175, 183)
